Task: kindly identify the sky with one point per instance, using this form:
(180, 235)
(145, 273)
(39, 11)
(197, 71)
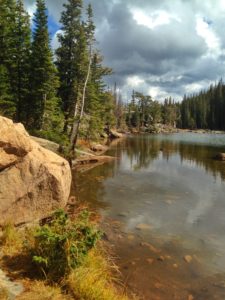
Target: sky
(160, 48)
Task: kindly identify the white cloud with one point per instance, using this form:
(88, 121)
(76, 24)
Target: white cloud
(31, 9)
(212, 41)
(222, 4)
(134, 81)
(153, 20)
(194, 87)
(55, 41)
(157, 93)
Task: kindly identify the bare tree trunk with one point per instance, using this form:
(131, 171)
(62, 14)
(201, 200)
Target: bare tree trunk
(77, 120)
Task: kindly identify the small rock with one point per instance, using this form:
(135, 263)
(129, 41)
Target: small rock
(148, 202)
(144, 244)
(169, 202)
(187, 258)
(143, 226)
(133, 263)
(150, 260)
(158, 285)
(161, 258)
(98, 147)
(175, 266)
(220, 156)
(130, 237)
(190, 297)
(122, 214)
(151, 247)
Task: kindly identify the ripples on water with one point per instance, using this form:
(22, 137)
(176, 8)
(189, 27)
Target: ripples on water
(169, 182)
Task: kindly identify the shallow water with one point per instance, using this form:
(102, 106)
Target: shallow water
(166, 190)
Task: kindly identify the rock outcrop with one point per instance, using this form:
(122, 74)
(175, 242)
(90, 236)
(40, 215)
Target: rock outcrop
(33, 180)
(99, 148)
(113, 134)
(54, 147)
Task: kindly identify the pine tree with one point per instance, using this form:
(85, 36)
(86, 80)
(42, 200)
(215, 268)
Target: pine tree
(22, 61)
(83, 75)
(43, 103)
(68, 62)
(7, 62)
(7, 105)
(99, 103)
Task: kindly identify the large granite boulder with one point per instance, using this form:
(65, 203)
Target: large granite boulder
(33, 181)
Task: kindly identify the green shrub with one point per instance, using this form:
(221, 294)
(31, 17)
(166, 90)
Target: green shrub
(62, 245)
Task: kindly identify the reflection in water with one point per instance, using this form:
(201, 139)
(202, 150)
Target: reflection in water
(139, 152)
(169, 182)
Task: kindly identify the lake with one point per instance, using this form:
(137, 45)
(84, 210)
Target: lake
(163, 199)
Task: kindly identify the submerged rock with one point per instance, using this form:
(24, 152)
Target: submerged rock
(150, 260)
(220, 156)
(161, 258)
(150, 247)
(33, 180)
(187, 258)
(143, 226)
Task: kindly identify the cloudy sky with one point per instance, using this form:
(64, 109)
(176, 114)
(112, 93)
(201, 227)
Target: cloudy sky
(158, 47)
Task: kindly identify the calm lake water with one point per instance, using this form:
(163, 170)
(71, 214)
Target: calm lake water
(166, 190)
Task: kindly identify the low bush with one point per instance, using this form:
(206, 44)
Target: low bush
(62, 245)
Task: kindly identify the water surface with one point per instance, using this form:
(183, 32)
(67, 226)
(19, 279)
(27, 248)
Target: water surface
(166, 190)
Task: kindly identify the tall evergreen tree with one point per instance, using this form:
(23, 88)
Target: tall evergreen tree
(22, 61)
(68, 62)
(43, 104)
(7, 52)
(100, 104)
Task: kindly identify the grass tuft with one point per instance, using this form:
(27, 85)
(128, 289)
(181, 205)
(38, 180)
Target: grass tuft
(93, 280)
(38, 290)
(3, 293)
(11, 241)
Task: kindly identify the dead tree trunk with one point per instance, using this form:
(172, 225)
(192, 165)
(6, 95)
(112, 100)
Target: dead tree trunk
(78, 118)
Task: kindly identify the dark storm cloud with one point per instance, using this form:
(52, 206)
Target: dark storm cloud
(134, 47)
(184, 51)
